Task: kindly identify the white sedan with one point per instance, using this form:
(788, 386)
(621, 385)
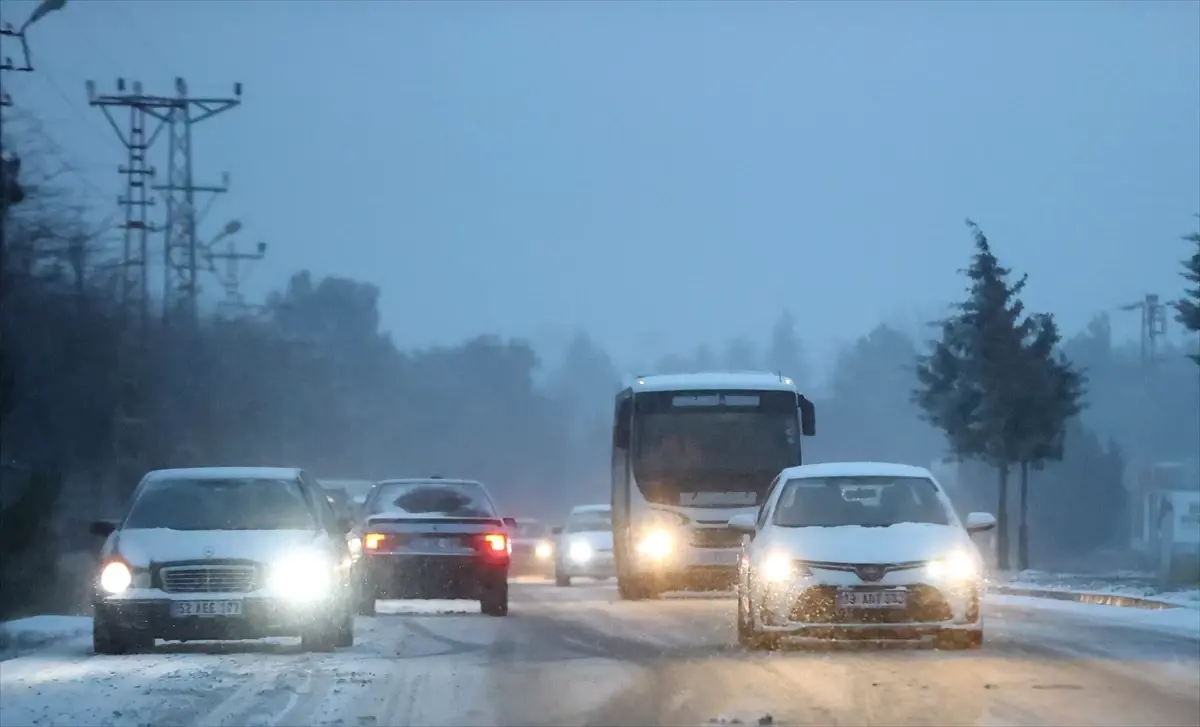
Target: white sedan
(859, 551)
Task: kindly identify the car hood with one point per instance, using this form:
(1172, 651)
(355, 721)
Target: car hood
(139, 547)
(898, 543)
(596, 539)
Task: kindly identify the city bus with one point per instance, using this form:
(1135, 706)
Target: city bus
(690, 451)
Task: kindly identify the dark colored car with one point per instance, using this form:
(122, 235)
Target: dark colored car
(435, 538)
(224, 553)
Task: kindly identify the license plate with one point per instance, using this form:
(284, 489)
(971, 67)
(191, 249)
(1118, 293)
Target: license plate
(715, 557)
(872, 599)
(428, 544)
(183, 609)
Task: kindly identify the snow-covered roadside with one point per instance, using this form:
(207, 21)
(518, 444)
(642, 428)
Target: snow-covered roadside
(38, 631)
(1119, 583)
(1174, 621)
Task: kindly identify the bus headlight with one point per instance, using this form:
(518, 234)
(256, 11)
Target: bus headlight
(656, 544)
(959, 566)
(543, 550)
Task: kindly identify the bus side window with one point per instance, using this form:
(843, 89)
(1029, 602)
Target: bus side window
(621, 424)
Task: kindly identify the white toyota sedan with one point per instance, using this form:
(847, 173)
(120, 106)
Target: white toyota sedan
(859, 550)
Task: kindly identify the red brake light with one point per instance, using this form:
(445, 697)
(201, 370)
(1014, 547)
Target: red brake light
(372, 541)
(497, 543)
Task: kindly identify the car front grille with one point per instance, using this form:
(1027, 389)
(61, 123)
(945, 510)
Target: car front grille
(208, 579)
(818, 605)
(716, 538)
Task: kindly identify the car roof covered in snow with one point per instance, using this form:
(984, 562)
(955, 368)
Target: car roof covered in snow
(225, 473)
(712, 381)
(855, 469)
(429, 481)
(591, 508)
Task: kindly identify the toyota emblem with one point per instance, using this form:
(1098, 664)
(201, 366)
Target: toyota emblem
(209, 552)
(870, 572)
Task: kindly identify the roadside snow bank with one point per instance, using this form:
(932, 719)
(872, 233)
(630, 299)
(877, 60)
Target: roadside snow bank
(36, 631)
(1131, 584)
(1175, 621)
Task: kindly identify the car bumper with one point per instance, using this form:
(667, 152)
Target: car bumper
(261, 617)
(431, 576)
(811, 612)
(598, 566)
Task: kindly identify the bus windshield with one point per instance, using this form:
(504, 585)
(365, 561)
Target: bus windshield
(685, 444)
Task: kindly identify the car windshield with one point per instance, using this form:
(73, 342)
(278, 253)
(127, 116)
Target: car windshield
(864, 501)
(589, 522)
(531, 529)
(222, 504)
(440, 499)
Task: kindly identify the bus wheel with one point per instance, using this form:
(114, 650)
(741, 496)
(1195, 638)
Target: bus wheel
(636, 589)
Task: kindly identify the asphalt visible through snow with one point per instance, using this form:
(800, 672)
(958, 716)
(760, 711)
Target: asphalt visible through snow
(581, 656)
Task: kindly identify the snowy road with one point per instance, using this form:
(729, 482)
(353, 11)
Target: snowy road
(579, 656)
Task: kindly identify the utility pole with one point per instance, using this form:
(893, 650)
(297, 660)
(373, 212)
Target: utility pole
(234, 304)
(1154, 325)
(132, 415)
(181, 287)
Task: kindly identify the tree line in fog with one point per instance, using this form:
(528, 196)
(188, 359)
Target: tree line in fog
(313, 381)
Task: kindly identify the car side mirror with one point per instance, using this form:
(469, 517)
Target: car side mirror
(556, 530)
(808, 417)
(980, 522)
(102, 528)
(510, 522)
(743, 523)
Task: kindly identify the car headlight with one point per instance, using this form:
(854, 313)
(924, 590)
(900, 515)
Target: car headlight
(116, 577)
(543, 550)
(304, 575)
(656, 544)
(580, 552)
(778, 568)
(958, 566)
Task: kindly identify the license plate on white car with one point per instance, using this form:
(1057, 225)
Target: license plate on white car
(184, 609)
(715, 557)
(872, 599)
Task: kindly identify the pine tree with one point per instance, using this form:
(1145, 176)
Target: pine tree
(1050, 398)
(970, 382)
(1189, 306)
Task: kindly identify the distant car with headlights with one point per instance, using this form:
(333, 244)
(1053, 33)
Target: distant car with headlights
(859, 551)
(224, 553)
(435, 538)
(532, 548)
(584, 545)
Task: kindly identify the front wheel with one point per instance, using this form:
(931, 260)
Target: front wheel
(748, 636)
(111, 638)
(345, 630)
(633, 588)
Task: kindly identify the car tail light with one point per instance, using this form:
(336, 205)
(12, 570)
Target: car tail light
(375, 541)
(497, 543)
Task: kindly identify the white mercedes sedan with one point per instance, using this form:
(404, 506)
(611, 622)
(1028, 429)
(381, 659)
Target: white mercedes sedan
(859, 550)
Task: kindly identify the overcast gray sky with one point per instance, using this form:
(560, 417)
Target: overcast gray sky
(663, 174)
